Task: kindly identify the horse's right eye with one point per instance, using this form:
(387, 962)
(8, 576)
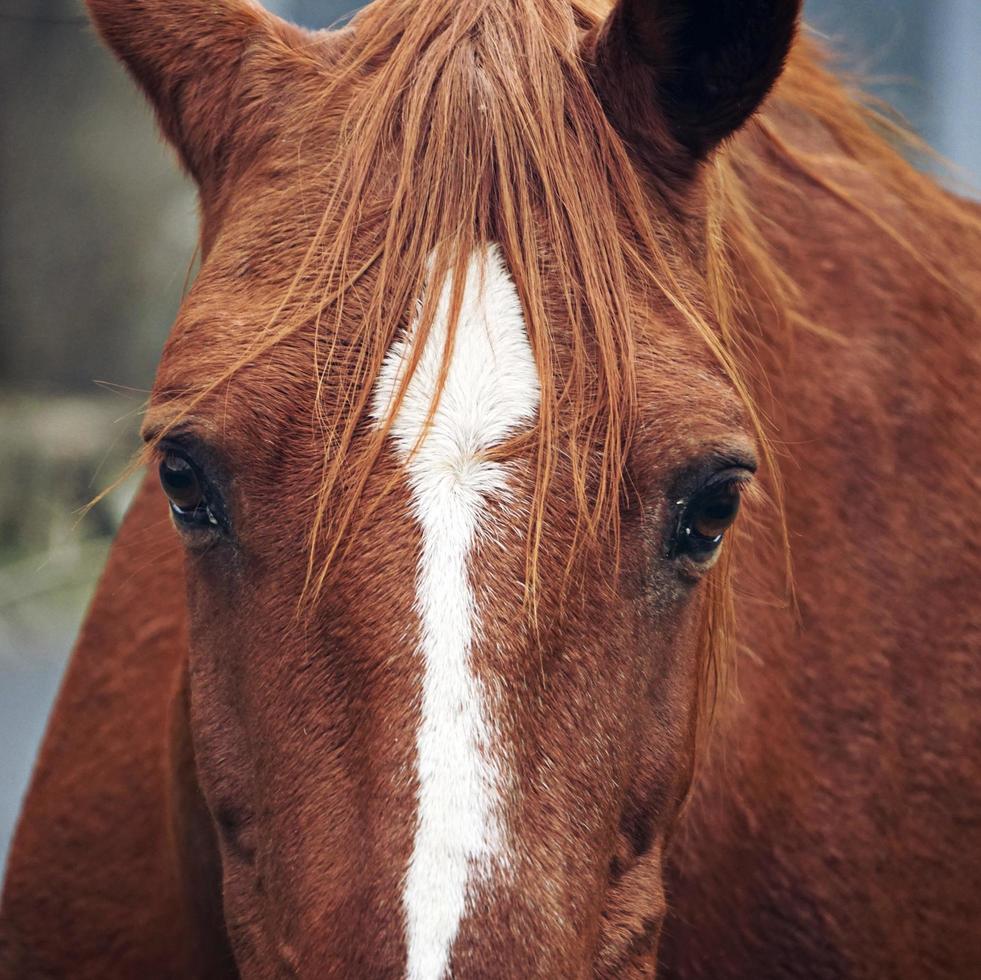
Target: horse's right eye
(706, 517)
(185, 489)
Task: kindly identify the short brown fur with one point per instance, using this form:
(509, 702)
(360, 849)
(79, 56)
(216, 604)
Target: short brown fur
(200, 798)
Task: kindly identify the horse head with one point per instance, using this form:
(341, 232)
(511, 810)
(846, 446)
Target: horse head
(453, 438)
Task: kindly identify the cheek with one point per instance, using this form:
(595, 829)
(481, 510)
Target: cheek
(667, 645)
(665, 720)
(304, 728)
(237, 746)
(675, 617)
(220, 734)
(231, 658)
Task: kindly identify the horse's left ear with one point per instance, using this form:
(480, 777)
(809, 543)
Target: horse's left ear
(678, 76)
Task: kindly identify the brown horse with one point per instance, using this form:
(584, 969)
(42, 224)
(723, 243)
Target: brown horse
(502, 303)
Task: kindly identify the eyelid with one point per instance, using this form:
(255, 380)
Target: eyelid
(202, 453)
(209, 471)
(737, 475)
(169, 421)
(742, 476)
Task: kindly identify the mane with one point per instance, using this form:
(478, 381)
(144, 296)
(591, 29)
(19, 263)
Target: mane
(473, 122)
(488, 108)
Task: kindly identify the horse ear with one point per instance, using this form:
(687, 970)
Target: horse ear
(190, 58)
(679, 76)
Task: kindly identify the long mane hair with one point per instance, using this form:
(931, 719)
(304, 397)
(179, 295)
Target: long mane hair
(467, 123)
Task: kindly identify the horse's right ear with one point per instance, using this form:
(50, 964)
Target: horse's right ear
(190, 58)
(676, 77)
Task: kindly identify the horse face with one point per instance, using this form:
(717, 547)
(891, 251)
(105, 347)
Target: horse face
(447, 737)
(408, 747)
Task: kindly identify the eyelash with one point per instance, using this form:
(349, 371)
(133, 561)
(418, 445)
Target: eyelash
(719, 500)
(191, 498)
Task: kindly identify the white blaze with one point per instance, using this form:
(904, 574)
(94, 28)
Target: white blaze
(491, 391)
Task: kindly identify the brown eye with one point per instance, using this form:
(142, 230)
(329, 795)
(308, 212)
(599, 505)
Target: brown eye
(185, 490)
(714, 511)
(706, 518)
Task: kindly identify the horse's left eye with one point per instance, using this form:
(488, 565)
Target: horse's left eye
(706, 518)
(184, 487)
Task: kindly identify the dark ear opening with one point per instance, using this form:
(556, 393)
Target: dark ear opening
(190, 59)
(679, 76)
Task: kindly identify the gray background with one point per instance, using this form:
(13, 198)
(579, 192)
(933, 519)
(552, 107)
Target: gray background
(97, 232)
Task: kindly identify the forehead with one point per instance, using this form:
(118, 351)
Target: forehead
(273, 270)
(683, 400)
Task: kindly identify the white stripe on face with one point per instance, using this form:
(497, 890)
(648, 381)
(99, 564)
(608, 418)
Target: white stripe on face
(491, 391)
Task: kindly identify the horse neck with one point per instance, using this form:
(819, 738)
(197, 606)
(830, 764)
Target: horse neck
(885, 283)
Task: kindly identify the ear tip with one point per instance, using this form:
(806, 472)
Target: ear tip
(164, 43)
(709, 63)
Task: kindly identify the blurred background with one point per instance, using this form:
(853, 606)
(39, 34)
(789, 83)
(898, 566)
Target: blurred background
(97, 232)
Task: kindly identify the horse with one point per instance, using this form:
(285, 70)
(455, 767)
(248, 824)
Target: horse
(550, 560)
